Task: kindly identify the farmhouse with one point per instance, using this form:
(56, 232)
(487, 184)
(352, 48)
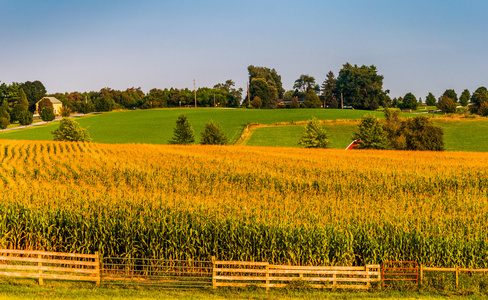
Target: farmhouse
(56, 105)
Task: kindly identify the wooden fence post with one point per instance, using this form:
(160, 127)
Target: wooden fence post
(214, 281)
(368, 284)
(457, 277)
(39, 264)
(267, 277)
(421, 277)
(97, 267)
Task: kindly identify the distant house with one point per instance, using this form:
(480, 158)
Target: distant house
(288, 101)
(56, 105)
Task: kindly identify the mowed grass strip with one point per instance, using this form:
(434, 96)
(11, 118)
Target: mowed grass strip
(156, 126)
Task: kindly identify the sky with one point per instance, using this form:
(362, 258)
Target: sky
(419, 46)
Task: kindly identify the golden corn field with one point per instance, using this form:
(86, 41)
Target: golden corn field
(297, 206)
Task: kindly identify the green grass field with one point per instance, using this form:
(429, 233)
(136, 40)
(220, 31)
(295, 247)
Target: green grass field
(156, 126)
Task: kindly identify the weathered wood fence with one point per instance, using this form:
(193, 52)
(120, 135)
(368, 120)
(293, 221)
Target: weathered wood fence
(457, 271)
(262, 274)
(50, 265)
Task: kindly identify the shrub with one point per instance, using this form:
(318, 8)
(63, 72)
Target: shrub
(65, 111)
(421, 134)
(213, 134)
(446, 104)
(183, 132)
(295, 103)
(257, 102)
(315, 135)
(3, 123)
(370, 133)
(47, 114)
(69, 130)
(25, 118)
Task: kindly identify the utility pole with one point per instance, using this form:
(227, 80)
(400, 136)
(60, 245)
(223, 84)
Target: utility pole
(214, 99)
(342, 102)
(248, 97)
(195, 90)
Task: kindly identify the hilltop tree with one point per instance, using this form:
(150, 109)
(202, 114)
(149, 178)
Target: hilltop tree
(446, 104)
(265, 84)
(306, 83)
(213, 134)
(464, 98)
(315, 135)
(479, 96)
(69, 130)
(451, 94)
(430, 100)
(361, 87)
(371, 134)
(329, 87)
(183, 133)
(410, 102)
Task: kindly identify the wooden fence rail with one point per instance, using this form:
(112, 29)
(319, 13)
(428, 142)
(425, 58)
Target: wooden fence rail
(457, 271)
(50, 265)
(262, 274)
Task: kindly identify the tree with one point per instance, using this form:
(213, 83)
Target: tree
(446, 104)
(451, 94)
(47, 114)
(306, 83)
(45, 102)
(25, 118)
(370, 134)
(34, 92)
(213, 134)
(361, 87)
(23, 99)
(183, 133)
(410, 102)
(430, 100)
(464, 98)
(392, 126)
(295, 103)
(329, 87)
(315, 135)
(265, 84)
(65, 111)
(17, 112)
(479, 96)
(4, 113)
(3, 123)
(421, 134)
(69, 130)
(256, 102)
(312, 100)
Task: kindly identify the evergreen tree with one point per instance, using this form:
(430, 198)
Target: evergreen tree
(213, 134)
(370, 133)
(464, 98)
(312, 100)
(23, 99)
(25, 118)
(430, 100)
(183, 132)
(314, 136)
(410, 102)
(47, 114)
(295, 103)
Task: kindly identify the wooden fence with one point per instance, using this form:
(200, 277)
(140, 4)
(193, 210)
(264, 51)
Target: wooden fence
(457, 271)
(50, 265)
(262, 274)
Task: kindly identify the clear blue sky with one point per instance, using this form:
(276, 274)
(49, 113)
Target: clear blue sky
(419, 46)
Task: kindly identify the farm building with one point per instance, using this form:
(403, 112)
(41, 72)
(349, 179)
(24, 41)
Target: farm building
(56, 105)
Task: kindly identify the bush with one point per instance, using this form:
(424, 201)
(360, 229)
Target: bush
(69, 130)
(295, 103)
(183, 132)
(65, 111)
(47, 114)
(213, 135)
(3, 123)
(370, 133)
(314, 136)
(446, 104)
(421, 134)
(257, 102)
(25, 118)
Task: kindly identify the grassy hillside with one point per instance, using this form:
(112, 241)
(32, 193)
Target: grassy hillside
(156, 126)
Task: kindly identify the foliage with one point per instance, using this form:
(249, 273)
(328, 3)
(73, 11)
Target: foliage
(450, 93)
(421, 134)
(430, 100)
(183, 133)
(306, 83)
(45, 102)
(65, 111)
(361, 87)
(294, 103)
(370, 133)
(446, 104)
(25, 118)
(464, 98)
(34, 92)
(47, 114)
(69, 130)
(23, 99)
(410, 102)
(478, 97)
(4, 114)
(329, 87)
(17, 112)
(312, 100)
(393, 128)
(315, 135)
(213, 134)
(483, 110)
(256, 102)
(265, 84)
(4, 122)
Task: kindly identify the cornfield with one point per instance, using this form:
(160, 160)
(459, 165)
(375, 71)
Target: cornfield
(287, 206)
